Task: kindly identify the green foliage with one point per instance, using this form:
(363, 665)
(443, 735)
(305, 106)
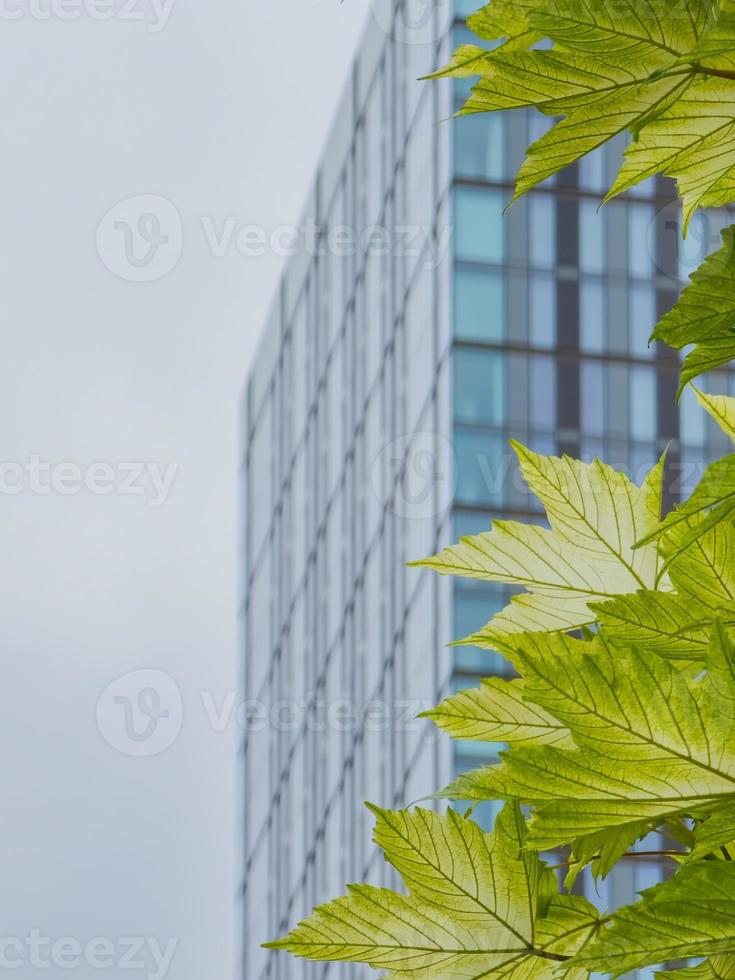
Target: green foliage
(621, 721)
(596, 518)
(478, 903)
(692, 914)
(656, 68)
(705, 314)
(648, 739)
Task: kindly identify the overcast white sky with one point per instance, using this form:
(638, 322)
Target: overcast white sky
(222, 109)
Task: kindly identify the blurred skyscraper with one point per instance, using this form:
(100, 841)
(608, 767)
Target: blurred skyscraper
(416, 330)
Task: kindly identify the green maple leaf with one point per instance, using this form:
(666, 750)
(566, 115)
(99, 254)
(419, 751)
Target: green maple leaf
(714, 49)
(497, 712)
(712, 503)
(676, 626)
(652, 742)
(629, 29)
(692, 914)
(701, 563)
(717, 968)
(506, 21)
(704, 316)
(602, 850)
(479, 905)
(662, 71)
(721, 408)
(692, 140)
(715, 833)
(588, 555)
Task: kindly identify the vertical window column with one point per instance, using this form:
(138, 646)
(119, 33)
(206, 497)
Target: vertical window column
(567, 312)
(667, 359)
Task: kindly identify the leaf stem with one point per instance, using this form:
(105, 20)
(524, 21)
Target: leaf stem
(628, 854)
(716, 72)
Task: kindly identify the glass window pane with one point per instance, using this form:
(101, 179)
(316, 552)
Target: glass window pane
(479, 225)
(593, 399)
(592, 171)
(646, 188)
(591, 238)
(643, 422)
(479, 394)
(479, 146)
(543, 394)
(465, 8)
(473, 609)
(692, 419)
(703, 238)
(642, 320)
(542, 232)
(468, 522)
(483, 468)
(543, 311)
(478, 304)
(592, 317)
(641, 241)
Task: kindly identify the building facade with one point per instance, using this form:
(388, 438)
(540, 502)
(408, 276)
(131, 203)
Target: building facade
(416, 332)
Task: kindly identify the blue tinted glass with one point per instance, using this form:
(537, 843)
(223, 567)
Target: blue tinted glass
(641, 241)
(473, 609)
(479, 388)
(542, 396)
(466, 522)
(542, 232)
(692, 419)
(591, 238)
(646, 188)
(543, 311)
(465, 8)
(593, 449)
(483, 468)
(592, 316)
(479, 146)
(478, 224)
(478, 304)
(592, 171)
(642, 458)
(593, 399)
(642, 319)
(703, 238)
(643, 422)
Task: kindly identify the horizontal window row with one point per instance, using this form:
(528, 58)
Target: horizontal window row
(483, 229)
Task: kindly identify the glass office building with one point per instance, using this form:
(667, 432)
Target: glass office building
(417, 331)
